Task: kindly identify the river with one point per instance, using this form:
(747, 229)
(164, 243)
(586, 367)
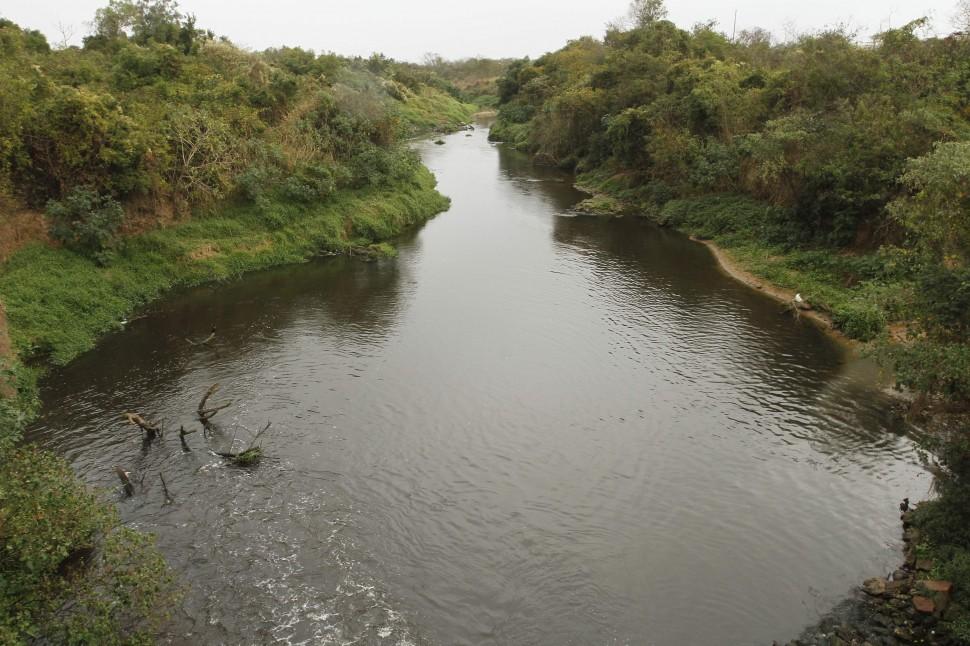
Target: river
(528, 428)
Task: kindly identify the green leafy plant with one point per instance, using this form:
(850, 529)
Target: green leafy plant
(86, 222)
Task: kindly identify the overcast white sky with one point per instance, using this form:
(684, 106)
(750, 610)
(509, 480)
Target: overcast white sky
(406, 29)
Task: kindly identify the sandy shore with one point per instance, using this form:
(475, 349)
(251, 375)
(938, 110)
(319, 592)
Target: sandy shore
(786, 296)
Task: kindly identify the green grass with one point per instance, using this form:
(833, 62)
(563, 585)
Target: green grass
(59, 303)
(515, 135)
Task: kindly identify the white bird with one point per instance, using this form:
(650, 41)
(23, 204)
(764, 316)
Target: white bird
(799, 299)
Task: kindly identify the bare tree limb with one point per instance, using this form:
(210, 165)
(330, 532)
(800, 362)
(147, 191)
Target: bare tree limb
(150, 428)
(168, 497)
(126, 482)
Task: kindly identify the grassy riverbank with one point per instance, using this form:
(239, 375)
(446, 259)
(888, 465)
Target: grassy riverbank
(58, 302)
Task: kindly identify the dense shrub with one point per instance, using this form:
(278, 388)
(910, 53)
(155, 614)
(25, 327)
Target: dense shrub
(943, 298)
(69, 572)
(860, 320)
(86, 222)
(929, 367)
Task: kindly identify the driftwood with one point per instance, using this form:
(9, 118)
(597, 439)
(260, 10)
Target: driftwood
(168, 497)
(151, 430)
(206, 414)
(182, 434)
(205, 341)
(250, 455)
(126, 482)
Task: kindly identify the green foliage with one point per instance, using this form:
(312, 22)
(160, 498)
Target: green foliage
(248, 458)
(937, 208)
(153, 110)
(944, 521)
(69, 572)
(943, 298)
(86, 222)
(931, 367)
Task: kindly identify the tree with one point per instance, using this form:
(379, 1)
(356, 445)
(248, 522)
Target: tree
(937, 208)
(86, 222)
(647, 12)
(146, 21)
(962, 17)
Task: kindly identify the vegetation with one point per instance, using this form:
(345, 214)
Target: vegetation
(944, 521)
(162, 156)
(475, 78)
(835, 169)
(71, 572)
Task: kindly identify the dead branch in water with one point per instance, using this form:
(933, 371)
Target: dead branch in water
(126, 482)
(151, 430)
(206, 414)
(182, 434)
(168, 497)
(204, 341)
(250, 455)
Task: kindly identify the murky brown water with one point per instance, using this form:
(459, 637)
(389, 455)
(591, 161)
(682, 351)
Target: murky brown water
(529, 428)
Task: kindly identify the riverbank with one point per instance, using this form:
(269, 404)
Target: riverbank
(857, 296)
(736, 271)
(59, 303)
(908, 606)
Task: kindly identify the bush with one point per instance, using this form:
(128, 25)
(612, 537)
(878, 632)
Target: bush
(86, 222)
(927, 367)
(944, 523)
(69, 572)
(943, 302)
(860, 320)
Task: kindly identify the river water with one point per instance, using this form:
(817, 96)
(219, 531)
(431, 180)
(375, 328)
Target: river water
(528, 428)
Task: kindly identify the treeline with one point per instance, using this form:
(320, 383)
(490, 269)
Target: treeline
(154, 115)
(837, 169)
(476, 78)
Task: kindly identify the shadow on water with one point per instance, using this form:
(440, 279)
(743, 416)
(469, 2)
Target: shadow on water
(529, 428)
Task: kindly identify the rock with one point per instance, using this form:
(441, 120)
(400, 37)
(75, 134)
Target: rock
(897, 586)
(875, 586)
(910, 562)
(900, 574)
(903, 634)
(924, 605)
(936, 587)
(938, 591)
(882, 620)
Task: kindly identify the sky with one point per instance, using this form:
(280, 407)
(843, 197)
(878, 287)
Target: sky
(408, 29)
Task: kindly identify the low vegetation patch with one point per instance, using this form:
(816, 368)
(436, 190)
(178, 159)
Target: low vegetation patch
(69, 571)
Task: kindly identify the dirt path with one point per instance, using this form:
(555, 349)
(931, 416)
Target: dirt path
(780, 294)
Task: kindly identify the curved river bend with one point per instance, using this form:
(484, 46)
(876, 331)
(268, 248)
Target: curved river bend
(529, 428)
